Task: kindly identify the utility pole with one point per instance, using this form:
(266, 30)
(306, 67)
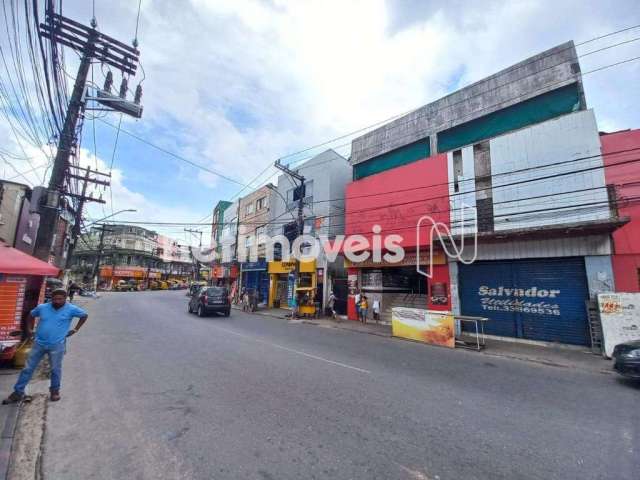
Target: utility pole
(96, 265)
(91, 45)
(196, 263)
(75, 232)
(300, 220)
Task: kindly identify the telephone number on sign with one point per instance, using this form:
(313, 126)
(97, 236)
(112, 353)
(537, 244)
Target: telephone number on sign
(538, 311)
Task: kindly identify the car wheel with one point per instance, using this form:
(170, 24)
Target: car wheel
(200, 311)
(189, 308)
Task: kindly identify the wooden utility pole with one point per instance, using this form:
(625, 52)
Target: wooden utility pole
(86, 179)
(96, 265)
(91, 45)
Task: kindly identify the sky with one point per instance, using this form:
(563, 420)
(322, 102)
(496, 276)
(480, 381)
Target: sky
(234, 85)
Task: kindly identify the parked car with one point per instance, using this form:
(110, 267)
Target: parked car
(210, 299)
(126, 286)
(626, 359)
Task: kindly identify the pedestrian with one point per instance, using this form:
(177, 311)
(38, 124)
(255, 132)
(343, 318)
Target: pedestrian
(331, 304)
(53, 329)
(376, 310)
(364, 305)
(357, 299)
(73, 289)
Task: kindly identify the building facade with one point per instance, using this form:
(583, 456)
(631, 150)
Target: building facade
(253, 211)
(326, 176)
(129, 252)
(620, 151)
(513, 161)
(19, 218)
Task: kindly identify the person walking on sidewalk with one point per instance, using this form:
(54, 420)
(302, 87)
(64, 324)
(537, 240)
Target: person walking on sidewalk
(331, 304)
(357, 300)
(53, 329)
(364, 305)
(376, 310)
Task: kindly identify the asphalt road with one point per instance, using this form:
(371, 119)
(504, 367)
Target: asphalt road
(151, 392)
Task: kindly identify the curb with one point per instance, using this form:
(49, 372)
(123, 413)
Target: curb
(6, 437)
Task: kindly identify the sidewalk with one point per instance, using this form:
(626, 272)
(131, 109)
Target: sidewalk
(560, 356)
(8, 418)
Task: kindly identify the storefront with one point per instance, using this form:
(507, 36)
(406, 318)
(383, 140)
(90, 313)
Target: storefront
(255, 278)
(282, 278)
(400, 284)
(535, 299)
(110, 276)
(21, 289)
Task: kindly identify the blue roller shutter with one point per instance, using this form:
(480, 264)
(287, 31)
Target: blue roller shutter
(541, 299)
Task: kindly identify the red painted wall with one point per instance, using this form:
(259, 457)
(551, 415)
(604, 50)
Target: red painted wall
(397, 198)
(626, 240)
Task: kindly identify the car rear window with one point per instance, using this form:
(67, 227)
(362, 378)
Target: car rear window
(216, 291)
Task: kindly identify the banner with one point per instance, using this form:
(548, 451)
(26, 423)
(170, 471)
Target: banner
(620, 318)
(427, 326)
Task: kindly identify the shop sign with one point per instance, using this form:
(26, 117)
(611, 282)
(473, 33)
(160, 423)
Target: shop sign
(620, 318)
(253, 266)
(286, 266)
(532, 300)
(427, 326)
(408, 260)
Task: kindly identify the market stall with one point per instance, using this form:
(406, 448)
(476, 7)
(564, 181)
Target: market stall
(21, 289)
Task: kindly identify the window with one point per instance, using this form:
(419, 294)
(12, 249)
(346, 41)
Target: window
(261, 203)
(457, 170)
(248, 241)
(249, 208)
(260, 231)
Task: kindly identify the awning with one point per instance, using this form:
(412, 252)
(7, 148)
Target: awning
(15, 262)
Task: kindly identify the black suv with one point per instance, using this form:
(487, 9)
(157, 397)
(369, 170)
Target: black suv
(210, 299)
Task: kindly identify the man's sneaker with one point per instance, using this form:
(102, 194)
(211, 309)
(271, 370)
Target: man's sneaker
(15, 397)
(55, 395)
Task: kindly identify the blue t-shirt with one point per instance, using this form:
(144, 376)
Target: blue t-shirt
(54, 325)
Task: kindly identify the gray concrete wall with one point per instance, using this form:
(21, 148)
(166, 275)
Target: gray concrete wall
(544, 72)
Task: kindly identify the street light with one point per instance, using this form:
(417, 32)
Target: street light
(112, 215)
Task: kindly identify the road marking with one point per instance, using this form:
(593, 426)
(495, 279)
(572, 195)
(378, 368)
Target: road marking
(292, 350)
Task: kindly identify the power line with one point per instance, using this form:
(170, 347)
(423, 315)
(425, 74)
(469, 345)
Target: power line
(172, 154)
(449, 196)
(328, 142)
(179, 157)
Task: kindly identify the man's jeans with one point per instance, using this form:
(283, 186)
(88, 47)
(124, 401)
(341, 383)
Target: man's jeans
(55, 352)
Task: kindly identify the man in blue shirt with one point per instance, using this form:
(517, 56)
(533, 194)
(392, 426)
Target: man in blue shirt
(53, 329)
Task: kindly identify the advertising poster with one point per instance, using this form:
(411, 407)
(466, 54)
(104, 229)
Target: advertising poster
(620, 318)
(427, 326)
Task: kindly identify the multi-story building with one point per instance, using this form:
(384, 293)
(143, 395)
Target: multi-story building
(621, 152)
(217, 224)
(128, 252)
(516, 159)
(326, 176)
(225, 270)
(252, 226)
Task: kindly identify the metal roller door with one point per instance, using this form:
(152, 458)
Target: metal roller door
(258, 281)
(533, 299)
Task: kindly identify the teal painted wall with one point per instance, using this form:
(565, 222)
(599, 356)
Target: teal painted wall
(395, 158)
(535, 110)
